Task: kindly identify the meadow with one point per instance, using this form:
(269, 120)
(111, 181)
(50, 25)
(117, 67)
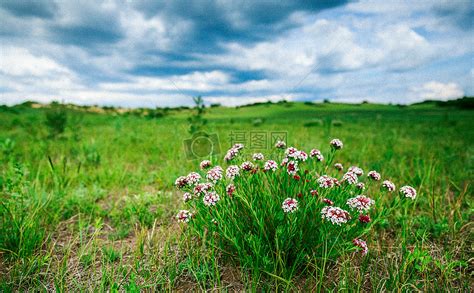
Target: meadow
(93, 207)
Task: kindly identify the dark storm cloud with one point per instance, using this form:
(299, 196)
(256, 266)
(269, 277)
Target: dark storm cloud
(41, 9)
(459, 13)
(86, 35)
(220, 21)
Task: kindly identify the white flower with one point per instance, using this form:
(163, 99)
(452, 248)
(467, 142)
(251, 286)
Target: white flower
(350, 178)
(326, 181)
(211, 198)
(187, 196)
(335, 215)
(205, 164)
(231, 153)
(258, 157)
(315, 153)
(270, 165)
(193, 178)
(289, 205)
(292, 167)
(280, 144)
(289, 152)
(181, 182)
(232, 171)
(247, 166)
(408, 191)
(360, 203)
(338, 166)
(354, 169)
(230, 189)
(301, 155)
(374, 175)
(184, 216)
(202, 188)
(215, 174)
(388, 185)
(336, 144)
(361, 244)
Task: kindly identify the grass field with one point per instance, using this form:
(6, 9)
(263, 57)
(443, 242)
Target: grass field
(94, 207)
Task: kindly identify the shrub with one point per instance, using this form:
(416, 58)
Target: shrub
(257, 122)
(282, 218)
(336, 123)
(197, 121)
(56, 119)
(313, 123)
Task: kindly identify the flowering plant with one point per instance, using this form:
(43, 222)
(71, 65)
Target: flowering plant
(275, 215)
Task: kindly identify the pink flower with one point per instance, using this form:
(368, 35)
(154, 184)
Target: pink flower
(270, 165)
(258, 157)
(326, 181)
(187, 196)
(314, 192)
(364, 218)
(232, 171)
(215, 174)
(314, 153)
(301, 155)
(211, 198)
(184, 216)
(233, 151)
(284, 162)
(360, 185)
(388, 185)
(247, 166)
(202, 188)
(181, 182)
(374, 175)
(338, 166)
(289, 152)
(356, 170)
(336, 144)
(205, 164)
(350, 178)
(230, 189)
(408, 191)
(292, 167)
(280, 144)
(231, 154)
(335, 215)
(360, 203)
(328, 201)
(193, 178)
(289, 205)
(361, 244)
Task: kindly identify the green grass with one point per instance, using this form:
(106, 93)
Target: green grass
(93, 207)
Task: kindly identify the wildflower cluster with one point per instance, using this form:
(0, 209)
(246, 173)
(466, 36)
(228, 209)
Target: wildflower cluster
(268, 204)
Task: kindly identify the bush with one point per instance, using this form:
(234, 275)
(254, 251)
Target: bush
(257, 122)
(336, 123)
(283, 218)
(56, 119)
(313, 122)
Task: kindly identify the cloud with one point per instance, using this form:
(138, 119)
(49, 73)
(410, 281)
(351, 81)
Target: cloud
(232, 52)
(434, 90)
(29, 8)
(86, 23)
(20, 62)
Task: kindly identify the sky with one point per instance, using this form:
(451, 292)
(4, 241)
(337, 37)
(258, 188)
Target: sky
(141, 53)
